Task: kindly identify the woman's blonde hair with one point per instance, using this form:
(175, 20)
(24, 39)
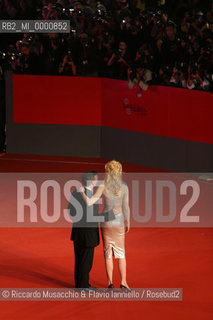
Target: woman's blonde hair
(113, 177)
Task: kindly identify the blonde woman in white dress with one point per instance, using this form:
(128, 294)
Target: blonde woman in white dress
(116, 197)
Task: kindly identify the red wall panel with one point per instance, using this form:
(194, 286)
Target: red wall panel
(164, 111)
(56, 100)
(172, 112)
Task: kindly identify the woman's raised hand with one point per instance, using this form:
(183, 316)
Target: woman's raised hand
(81, 189)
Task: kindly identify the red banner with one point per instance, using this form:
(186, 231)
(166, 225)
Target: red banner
(165, 111)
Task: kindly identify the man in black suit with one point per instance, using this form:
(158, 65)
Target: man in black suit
(85, 235)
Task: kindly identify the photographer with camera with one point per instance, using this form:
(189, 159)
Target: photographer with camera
(198, 24)
(67, 67)
(171, 43)
(54, 48)
(23, 58)
(119, 62)
(106, 42)
(86, 59)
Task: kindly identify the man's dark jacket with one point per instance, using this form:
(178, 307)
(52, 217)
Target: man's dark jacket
(84, 233)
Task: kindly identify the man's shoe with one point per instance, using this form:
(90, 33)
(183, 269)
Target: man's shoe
(92, 288)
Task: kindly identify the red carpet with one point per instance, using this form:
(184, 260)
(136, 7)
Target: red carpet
(156, 258)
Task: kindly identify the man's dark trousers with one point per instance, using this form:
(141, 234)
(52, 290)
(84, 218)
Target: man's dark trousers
(83, 265)
(85, 237)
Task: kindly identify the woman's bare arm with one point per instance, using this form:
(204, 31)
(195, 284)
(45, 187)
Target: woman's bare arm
(95, 197)
(125, 206)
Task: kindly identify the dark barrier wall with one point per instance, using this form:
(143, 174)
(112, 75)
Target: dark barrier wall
(164, 127)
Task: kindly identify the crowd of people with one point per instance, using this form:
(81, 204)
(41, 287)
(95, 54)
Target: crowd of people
(143, 42)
